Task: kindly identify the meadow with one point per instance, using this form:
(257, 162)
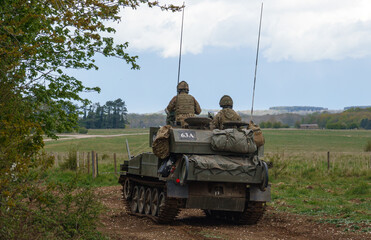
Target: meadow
(301, 181)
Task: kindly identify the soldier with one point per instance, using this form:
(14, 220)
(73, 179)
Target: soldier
(183, 105)
(226, 114)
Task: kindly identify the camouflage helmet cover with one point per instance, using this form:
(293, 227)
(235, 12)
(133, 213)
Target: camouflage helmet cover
(226, 101)
(183, 85)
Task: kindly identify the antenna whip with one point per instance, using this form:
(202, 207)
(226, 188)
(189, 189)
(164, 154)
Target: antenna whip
(180, 60)
(256, 63)
(181, 41)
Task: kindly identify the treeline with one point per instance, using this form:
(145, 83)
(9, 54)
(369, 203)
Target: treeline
(279, 120)
(113, 114)
(146, 120)
(273, 125)
(349, 119)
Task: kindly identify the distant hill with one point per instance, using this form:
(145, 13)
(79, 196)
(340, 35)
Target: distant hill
(156, 119)
(299, 108)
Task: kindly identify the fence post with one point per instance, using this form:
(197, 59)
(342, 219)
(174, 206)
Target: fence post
(77, 160)
(96, 165)
(55, 159)
(83, 159)
(114, 159)
(88, 162)
(93, 163)
(328, 160)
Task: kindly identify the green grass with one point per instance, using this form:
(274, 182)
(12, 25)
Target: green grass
(277, 140)
(293, 140)
(138, 144)
(106, 176)
(301, 182)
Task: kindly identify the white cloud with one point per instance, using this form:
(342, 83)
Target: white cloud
(292, 30)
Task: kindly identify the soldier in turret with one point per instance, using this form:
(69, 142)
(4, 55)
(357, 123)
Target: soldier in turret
(183, 105)
(226, 114)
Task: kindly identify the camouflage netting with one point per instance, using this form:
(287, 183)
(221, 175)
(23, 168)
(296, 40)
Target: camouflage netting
(258, 134)
(233, 140)
(161, 144)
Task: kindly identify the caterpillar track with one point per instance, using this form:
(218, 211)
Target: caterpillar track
(251, 215)
(148, 199)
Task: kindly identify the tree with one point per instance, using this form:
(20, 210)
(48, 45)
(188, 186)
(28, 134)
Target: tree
(39, 40)
(111, 115)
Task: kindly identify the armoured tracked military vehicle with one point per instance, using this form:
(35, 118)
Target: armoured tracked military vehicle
(226, 184)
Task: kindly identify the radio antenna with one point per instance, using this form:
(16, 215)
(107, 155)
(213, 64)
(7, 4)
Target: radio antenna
(256, 63)
(181, 41)
(180, 60)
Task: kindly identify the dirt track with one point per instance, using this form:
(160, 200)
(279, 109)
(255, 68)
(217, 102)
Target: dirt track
(80, 136)
(192, 224)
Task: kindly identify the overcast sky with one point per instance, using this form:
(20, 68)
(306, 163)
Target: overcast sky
(312, 53)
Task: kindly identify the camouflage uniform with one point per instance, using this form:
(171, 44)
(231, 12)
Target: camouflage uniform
(226, 114)
(187, 105)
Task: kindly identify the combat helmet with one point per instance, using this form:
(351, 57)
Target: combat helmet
(226, 101)
(183, 86)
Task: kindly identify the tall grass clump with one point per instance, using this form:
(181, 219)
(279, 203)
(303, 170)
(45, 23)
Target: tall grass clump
(368, 146)
(70, 163)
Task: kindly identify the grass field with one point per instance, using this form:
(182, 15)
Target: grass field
(301, 181)
(277, 140)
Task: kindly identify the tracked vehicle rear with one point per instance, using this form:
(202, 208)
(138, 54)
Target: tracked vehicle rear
(219, 171)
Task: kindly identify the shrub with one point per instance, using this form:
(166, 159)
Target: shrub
(83, 130)
(52, 211)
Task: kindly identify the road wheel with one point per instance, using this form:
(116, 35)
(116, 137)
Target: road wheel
(154, 202)
(127, 189)
(141, 199)
(147, 201)
(161, 200)
(134, 200)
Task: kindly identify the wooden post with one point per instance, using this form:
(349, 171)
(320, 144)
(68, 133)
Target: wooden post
(93, 163)
(83, 159)
(88, 162)
(55, 159)
(328, 160)
(77, 160)
(115, 162)
(96, 165)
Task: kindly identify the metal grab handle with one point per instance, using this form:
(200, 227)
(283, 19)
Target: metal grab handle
(184, 178)
(266, 177)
